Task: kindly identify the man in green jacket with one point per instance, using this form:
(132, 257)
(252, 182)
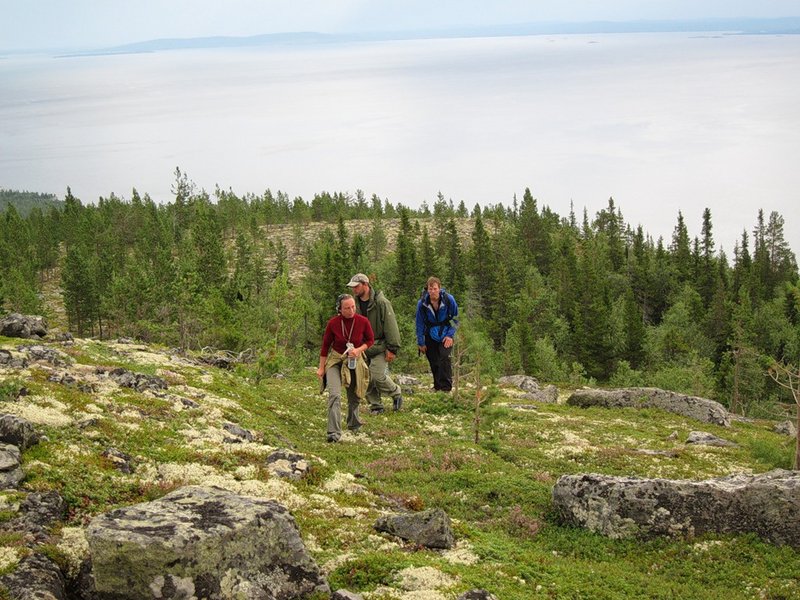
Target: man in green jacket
(377, 308)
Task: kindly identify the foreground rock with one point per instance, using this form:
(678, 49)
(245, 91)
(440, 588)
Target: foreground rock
(430, 528)
(201, 542)
(622, 507)
(23, 326)
(701, 409)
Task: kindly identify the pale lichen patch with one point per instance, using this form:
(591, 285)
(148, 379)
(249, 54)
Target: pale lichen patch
(462, 554)
(343, 482)
(9, 557)
(74, 547)
(36, 413)
(197, 474)
(570, 445)
(336, 562)
(424, 578)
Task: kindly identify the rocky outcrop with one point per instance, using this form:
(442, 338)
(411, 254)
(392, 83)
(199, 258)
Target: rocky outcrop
(405, 380)
(120, 460)
(41, 353)
(203, 542)
(23, 326)
(137, 381)
(36, 515)
(477, 595)
(36, 577)
(237, 434)
(701, 409)
(786, 428)
(346, 595)
(622, 507)
(10, 472)
(17, 431)
(703, 438)
(430, 528)
(529, 385)
(13, 361)
(287, 464)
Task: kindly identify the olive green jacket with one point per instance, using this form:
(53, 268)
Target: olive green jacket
(384, 324)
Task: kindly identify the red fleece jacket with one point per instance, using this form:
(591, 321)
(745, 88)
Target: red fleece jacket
(339, 331)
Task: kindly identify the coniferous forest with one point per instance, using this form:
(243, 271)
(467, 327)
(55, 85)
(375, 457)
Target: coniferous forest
(569, 299)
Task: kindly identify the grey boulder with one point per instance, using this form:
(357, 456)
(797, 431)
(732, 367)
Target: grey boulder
(476, 595)
(786, 428)
(702, 438)
(10, 472)
(624, 507)
(533, 391)
(287, 464)
(203, 542)
(17, 431)
(23, 326)
(346, 595)
(137, 381)
(702, 409)
(36, 577)
(430, 528)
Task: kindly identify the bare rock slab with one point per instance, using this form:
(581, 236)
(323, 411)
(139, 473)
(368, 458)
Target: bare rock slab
(625, 507)
(702, 409)
(201, 542)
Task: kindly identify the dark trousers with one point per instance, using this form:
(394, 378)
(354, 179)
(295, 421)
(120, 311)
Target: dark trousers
(439, 360)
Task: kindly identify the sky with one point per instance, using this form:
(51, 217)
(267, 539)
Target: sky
(84, 24)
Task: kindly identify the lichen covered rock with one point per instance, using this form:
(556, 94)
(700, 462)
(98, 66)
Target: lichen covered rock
(694, 407)
(430, 528)
(624, 507)
(203, 542)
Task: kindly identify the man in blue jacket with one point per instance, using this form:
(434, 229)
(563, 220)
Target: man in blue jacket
(437, 320)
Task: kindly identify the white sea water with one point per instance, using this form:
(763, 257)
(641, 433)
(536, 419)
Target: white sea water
(661, 122)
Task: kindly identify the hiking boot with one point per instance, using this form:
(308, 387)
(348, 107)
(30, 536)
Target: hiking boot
(376, 410)
(397, 402)
(333, 438)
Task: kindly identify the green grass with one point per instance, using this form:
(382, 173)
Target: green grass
(498, 491)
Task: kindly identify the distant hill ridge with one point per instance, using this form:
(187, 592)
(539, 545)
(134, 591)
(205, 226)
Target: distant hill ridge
(785, 25)
(24, 202)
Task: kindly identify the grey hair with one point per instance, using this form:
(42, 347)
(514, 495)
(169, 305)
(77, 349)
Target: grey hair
(341, 298)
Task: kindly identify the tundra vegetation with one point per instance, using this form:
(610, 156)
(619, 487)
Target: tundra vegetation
(568, 301)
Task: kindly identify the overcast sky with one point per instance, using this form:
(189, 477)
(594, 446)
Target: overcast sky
(75, 24)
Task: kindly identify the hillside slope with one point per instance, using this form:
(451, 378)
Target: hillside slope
(108, 445)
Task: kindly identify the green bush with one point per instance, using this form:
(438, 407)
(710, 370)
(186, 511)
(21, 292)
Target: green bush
(625, 376)
(364, 573)
(774, 456)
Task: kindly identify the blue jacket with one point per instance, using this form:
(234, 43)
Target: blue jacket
(440, 324)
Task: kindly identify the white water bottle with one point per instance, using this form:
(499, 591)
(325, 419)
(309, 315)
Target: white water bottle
(351, 360)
